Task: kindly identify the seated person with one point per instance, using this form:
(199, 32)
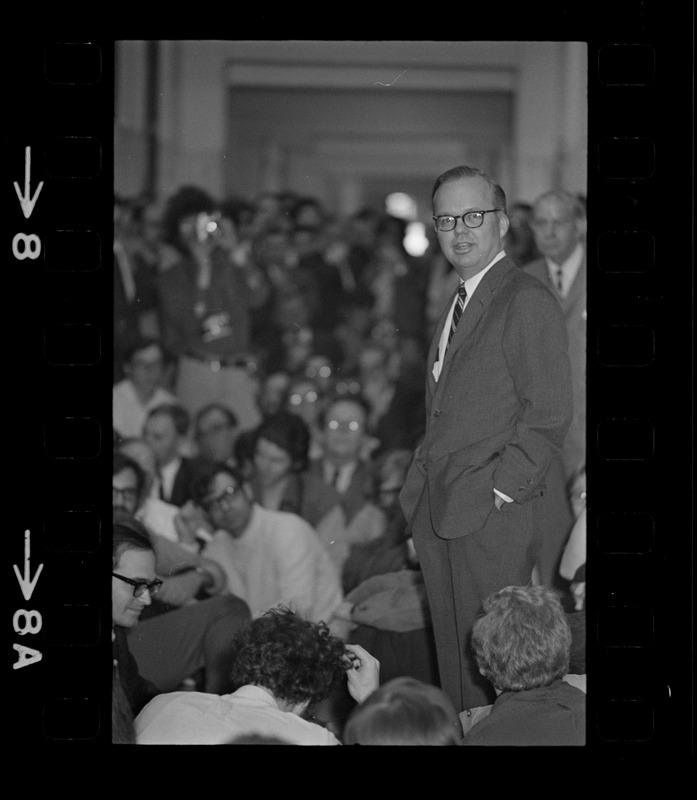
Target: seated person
(215, 430)
(284, 666)
(175, 643)
(269, 557)
(385, 607)
(281, 479)
(522, 644)
(404, 711)
(165, 430)
(142, 389)
(345, 461)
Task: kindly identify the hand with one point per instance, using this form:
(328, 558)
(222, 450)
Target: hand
(188, 521)
(364, 677)
(578, 590)
(177, 590)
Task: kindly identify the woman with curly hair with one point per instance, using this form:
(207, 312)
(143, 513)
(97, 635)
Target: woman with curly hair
(284, 666)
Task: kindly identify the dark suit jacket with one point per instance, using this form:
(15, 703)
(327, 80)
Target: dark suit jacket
(501, 407)
(574, 309)
(359, 491)
(184, 481)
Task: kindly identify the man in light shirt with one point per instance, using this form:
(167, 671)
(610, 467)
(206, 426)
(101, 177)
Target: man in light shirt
(142, 389)
(269, 557)
(498, 405)
(285, 666)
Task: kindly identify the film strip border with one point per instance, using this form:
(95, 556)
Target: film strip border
(58, 229)
(639, 621)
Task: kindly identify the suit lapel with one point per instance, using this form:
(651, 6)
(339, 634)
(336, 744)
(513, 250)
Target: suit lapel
(577, 290)
(475, 308)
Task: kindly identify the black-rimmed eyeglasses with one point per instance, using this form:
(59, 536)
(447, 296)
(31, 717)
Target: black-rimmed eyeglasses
(139, 587)
(472, 219)
(221, 499)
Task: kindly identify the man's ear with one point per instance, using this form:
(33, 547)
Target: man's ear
(504, 223)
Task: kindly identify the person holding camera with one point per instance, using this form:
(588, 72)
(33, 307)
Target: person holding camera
(207, 287)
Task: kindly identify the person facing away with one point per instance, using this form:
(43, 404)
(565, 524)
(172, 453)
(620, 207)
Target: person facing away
(522, 644)
(284, 667)
(498, 405)
(404, 711)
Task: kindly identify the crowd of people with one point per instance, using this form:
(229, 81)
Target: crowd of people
(273, 578)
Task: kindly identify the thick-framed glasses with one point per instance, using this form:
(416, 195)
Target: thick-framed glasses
(472, 219)
(221, 500)
(337, 425)
(139, 587)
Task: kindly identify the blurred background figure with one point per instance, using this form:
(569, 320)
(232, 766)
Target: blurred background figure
(559, 225)
(144, 387)
(404, 711)
(205, 297)
(519, 242)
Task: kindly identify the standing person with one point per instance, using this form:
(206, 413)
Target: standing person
(498, 404)
(559, 225)
(207, 289)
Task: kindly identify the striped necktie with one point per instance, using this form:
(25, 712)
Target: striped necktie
(457, 312)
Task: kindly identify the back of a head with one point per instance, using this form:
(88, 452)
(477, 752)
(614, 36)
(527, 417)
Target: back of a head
(404, 711)
(523, 639)
(297, 660)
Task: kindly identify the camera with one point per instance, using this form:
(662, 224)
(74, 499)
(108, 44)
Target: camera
(207, 226)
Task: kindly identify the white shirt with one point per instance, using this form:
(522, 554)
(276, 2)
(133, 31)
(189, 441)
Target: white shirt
(279, 559)
(167, 475)
(200, 718)
(129, 413)
(344, 475)
(569, 269)
(470, 285)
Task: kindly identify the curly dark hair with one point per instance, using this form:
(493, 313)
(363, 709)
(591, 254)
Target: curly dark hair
(295, 659)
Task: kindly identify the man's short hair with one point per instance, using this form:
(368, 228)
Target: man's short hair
(572, 202)
(297, 660)
(289, 432)
(227, 412)
(128, 534)
(201, 486)
(178, 414)
(143, 343)
(122, 462)
(498, 196)
(523, 639)
(404, 711)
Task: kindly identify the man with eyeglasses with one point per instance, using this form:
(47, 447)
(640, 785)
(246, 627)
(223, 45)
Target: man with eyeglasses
(498, 405)
(184, 632)
(269, 557)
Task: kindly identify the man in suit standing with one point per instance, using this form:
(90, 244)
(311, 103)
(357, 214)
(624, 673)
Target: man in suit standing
(559, 225)
(498, 405)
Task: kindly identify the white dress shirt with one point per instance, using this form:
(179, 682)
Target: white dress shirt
(201, 718)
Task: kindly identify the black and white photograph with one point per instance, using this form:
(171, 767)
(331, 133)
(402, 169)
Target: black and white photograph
(383, 316)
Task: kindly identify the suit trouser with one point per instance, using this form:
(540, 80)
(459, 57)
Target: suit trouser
(459, 573)
(173, 646)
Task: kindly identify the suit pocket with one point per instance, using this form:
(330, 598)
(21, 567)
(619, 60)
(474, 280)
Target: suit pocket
(462, 499)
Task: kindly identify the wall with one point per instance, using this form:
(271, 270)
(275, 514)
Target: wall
(342, 119)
